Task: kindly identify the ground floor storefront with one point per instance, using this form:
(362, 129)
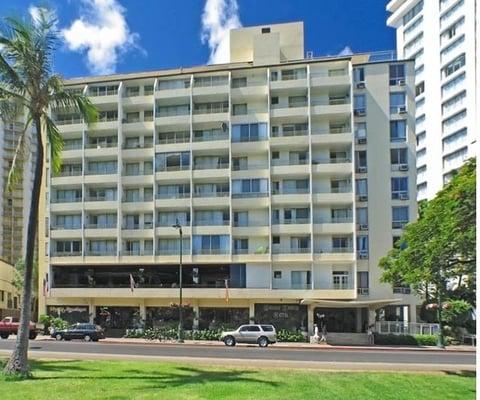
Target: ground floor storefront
(116, 316)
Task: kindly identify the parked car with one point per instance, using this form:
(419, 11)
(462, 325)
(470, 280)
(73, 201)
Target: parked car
(9, 326)
(263, 335)
(87, 332)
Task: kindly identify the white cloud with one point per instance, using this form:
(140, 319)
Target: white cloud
(219, 16)
(103, 32)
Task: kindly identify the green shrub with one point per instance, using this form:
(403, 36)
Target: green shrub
(408, 340)
(288, 336)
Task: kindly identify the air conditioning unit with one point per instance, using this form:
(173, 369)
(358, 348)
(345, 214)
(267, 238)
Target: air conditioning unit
(360, 113)
(362, 170)
(362, 140)
(403, 196)
(360, 85)
(401, 82)
(362, 197)
(402, 110)
(363, 291)
(363, 227)
(403, 167)
(363, 254)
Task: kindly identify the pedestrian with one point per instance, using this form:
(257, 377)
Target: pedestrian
(323, 338)
(370, 335)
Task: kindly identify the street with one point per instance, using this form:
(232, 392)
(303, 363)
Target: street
(247, 355)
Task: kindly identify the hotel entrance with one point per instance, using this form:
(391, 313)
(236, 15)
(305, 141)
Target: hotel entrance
(348, 320)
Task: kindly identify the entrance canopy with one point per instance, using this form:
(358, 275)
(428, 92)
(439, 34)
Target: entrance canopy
(372, 304)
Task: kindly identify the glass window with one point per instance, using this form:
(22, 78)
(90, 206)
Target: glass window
(398, 131)
(399, 217)
(398, 156)
(361, 130)
(362, 280)
(400, 188)
(454, 65)
(397, 74)
(397, 102)
(361, 187)
(358, 74)
(359, 103)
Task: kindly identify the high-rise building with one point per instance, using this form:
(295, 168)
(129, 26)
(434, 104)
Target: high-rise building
(9, 296)
(442, 37)
(290, 176)
(14, 201)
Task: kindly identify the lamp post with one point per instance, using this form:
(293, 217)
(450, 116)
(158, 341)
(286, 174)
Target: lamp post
(180, 305)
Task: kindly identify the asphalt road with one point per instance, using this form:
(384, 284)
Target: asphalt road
(251, 355)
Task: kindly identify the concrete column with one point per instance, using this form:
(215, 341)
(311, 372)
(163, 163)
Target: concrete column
(91, 310)
(251, 311)
(196, 314)
(371, 316)
(143, 310)
(310, 319)
(412, 312)
(358, 312)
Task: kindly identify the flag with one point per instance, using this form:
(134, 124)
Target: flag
(227, 297)
(132, 283)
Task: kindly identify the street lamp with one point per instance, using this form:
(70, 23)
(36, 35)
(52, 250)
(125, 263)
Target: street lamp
(180, 305)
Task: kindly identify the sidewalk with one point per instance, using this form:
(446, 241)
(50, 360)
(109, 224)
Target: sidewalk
(284, 345)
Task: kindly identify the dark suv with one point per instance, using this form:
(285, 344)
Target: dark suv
(87, 332)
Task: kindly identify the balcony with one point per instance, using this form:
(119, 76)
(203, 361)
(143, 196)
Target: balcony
(291, 250)
(211, 194)
(289, 138)
(101, 226)
(210, 222)
(332, 166)
(299, 109)
(329, 78)
(335, 254)
(66, 200)
(250, 166)
(137, 252)
(101, 253)
(101, 198)
(331, 106)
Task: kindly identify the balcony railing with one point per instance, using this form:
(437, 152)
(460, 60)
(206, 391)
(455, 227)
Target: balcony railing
(335, 160)
(101, 226)
(101, 198)
(137, 252)
(291, 221)
(292, 250)
(173, 195)
(330, 101)
(69, 121)
(249, 195)
(64, 200)
(101, 253)
(290, 133)
(293, 286)
(136, 199)
(280, 162)
(101, 145)
(211, 251)
(175, 139)
(336, 250)
(170, 168)
(64, 227)
(66, 253)
(250, 224)
(144, 145)
(210, 222)
(220, 165)
(212, 194)
(131, 226)
(249, 166)
(211, 137)
(289, 106)
(70, 173)
(290, 191)
(101, 172)
(332, 130)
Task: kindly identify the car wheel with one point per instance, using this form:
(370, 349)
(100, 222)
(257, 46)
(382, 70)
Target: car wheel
(87, 338)
(58, 336)
(262, 341)
(229, 341)
(4, 335)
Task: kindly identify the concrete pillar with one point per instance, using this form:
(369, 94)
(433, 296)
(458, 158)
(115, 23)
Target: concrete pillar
(358, 312)
(371, 316)
(412, 312)
(91, 311)
(251, 311)
(196, 314)
(310, 319)
(143, 310)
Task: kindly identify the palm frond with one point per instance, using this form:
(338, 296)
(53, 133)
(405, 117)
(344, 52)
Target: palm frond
(14, 174)
(55, 140)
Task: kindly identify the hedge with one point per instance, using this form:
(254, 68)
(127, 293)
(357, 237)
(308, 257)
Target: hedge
(412, 340)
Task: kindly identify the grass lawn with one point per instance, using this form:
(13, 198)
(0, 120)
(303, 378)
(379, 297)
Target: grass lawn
(118, 380)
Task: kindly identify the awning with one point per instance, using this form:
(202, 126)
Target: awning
(351, 303)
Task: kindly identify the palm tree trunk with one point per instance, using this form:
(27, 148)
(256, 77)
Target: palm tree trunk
(18, 362)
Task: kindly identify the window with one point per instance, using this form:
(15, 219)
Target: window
(362, 246)
(362, 280)
(239, 82)
(340, 279)
(359, 104)
(362, 216)
(456, 159)
(300, 279)
(452, 141)
(240, 218)
(445, 16)
(397, 74)
(361, 131)
(361, 161)
(398, 156)
(173, 84)
(454, 65)
(211, 244)
(419, 88)
(400, 188)
(249, 132)
(445, 53)
(240, 109)
(361, 187)
(398, 131)
(172, 161)
(454, 102)
(240, 246)
(265, 30)
(451, 31)
(249, 187)
(413, 12)
(454, 121)
(397, 103)
(452, 84)
(277, 274)
(275, 239)
(359, 74)
(399, 217)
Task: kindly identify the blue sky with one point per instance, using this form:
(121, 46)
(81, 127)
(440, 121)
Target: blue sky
(156, 34)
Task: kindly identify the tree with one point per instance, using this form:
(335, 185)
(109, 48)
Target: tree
(28, 84)
(436, 254)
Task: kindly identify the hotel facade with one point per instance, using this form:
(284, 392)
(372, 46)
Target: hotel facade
(442, 37)
(291, 178)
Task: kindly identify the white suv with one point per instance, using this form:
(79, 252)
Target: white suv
(263, 335)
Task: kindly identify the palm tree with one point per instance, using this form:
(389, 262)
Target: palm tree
(28, 84)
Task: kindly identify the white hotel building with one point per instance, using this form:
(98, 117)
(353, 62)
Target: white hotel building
(291, 178)
(442, 37)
